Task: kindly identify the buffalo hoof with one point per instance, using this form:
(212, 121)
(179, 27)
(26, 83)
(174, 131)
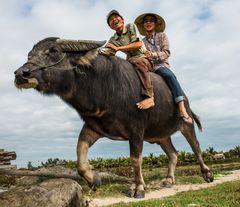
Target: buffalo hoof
(98, 181)
(131, 193)
(208, 177)
(136, 194)
(139, 194)
(167, 183)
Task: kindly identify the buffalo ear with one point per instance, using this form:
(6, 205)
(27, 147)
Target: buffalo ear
(79, 45)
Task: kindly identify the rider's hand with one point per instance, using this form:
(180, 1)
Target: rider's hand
(112, 46)
(148, 53)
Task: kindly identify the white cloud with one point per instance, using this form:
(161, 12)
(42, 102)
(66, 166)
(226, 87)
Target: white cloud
(205, 45)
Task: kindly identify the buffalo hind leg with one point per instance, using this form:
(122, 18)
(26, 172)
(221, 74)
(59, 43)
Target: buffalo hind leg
(86, 138)
(172, 155)
(189, 133)
(137, 188)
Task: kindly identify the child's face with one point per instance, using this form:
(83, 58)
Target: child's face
(149, 23)
(116, 22)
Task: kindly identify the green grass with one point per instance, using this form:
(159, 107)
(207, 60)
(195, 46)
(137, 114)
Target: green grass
(222, 195)
(118, 187)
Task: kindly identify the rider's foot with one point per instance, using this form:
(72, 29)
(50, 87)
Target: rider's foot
(146, 103)
(187, 119)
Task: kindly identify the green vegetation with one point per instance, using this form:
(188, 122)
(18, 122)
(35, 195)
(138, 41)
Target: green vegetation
(223, 195)
(153, 161)
(154, 170)
(118, 187)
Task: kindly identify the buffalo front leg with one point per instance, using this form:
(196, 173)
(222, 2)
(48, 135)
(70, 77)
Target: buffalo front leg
(86, 138)
(172, 155)
(137, 188)
(190, 135)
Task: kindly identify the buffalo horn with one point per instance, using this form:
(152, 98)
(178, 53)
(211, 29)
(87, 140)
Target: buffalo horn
(79, 45)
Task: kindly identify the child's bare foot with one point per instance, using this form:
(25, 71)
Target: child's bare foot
(146, 103)
(187, 119)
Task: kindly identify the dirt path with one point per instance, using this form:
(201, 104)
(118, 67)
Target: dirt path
(235, 175)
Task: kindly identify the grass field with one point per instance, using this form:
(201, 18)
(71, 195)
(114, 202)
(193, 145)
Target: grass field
(223, 195)
(119, 186)
(120, 174)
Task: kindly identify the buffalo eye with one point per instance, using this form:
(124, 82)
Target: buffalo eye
(47, 52)
(53, 50)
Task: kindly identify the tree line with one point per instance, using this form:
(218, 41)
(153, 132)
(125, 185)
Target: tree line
(150, 161)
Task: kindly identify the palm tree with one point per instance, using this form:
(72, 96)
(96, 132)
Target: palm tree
(237, 150)
(182, 156)
(210, 150)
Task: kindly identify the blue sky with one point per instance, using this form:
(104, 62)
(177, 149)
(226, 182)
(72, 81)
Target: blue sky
(205, 46)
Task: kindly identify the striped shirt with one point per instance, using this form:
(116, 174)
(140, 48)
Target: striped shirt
(158, 44)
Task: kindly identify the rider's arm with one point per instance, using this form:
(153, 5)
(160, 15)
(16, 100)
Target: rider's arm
(132, 46)
(162, 51)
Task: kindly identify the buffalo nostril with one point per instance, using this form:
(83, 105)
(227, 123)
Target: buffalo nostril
(25, 72)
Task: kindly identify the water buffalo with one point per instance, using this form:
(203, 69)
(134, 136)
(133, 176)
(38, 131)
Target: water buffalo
(104, 91)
